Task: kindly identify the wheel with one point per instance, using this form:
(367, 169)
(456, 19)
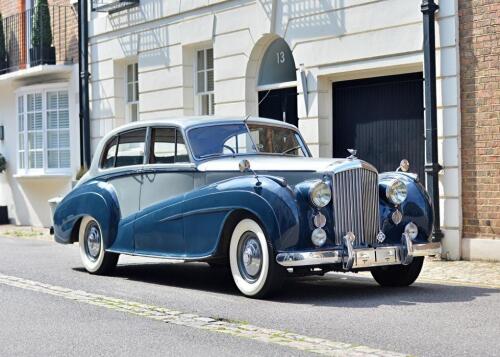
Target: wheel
(253, 268)
(95, 259)
(401, 275)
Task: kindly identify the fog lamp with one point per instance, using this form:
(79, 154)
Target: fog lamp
(411, 230)
(319, 220)
(318, 237)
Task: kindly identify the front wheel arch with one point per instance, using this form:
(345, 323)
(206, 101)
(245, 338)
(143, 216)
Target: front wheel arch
(233, 218)
(76, 230)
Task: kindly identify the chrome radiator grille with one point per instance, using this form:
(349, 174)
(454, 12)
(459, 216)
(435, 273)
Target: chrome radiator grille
(355, 205)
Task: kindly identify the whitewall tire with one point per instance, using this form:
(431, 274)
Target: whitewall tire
(253, 268)
(94, 258)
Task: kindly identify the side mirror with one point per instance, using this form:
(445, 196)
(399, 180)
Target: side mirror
(244, 165)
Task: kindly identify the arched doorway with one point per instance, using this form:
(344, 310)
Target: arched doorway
(276, 85)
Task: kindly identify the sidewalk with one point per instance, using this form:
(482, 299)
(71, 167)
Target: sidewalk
(26, 232)
(482, 274)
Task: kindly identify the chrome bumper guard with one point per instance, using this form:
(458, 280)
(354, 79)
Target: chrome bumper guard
(352, 258)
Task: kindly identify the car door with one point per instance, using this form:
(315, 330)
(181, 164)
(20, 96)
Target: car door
(122, 164)
(167, 176)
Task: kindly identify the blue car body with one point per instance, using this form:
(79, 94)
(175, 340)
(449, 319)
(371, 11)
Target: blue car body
(190, 221)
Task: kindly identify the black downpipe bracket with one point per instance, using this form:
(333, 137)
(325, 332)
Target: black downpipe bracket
(83, 83)
(432, 167)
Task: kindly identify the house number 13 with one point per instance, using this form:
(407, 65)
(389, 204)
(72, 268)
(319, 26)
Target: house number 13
(280, 57)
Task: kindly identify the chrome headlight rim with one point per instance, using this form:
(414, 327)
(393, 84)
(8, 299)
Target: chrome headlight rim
(396, 191)
(320, 194)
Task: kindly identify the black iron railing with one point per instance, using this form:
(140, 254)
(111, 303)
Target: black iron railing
(42, 35)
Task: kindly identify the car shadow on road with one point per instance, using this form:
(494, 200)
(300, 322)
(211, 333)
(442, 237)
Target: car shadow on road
(339, 290)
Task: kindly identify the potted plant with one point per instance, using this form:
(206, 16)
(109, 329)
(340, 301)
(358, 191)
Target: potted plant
(4, 214)
(41, 51)
(3, 53)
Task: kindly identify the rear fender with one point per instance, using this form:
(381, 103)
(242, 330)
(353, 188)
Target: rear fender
(96, 199)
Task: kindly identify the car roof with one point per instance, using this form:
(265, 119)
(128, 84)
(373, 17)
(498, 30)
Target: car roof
(192, 121)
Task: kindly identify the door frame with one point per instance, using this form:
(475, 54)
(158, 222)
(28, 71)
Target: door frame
(371, 75)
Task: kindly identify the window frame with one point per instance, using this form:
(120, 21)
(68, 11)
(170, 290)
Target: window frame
(43, 90)
(210, 94)
(151, 146)
(147, 151)
(117, 137)
(134, 82)
(306, 150)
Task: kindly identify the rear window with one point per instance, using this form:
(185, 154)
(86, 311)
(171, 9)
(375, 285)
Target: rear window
(131, 148)
(126, 149)
(108, 159)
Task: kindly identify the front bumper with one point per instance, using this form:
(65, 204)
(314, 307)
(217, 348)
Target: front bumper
(352, 258)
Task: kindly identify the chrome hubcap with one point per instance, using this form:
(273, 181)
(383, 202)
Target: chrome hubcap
(92, 241)
(249, 256)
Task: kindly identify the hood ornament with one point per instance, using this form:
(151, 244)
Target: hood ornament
(353, 153)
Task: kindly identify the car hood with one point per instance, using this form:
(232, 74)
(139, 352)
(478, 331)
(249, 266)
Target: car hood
(279, 163)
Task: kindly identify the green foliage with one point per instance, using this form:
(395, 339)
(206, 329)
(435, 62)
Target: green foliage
(42, 32)
(3, 163)
(3, 52)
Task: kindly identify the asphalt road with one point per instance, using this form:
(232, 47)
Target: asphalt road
(422, 320)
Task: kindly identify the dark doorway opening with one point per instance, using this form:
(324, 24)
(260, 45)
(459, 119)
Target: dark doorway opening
(279, 104)
(383, 118)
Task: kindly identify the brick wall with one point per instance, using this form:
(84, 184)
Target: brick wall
(9, 7)
(479, 25)
(64, 22)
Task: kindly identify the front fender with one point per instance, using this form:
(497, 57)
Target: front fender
(96, 199)
(207, 210)
(417, 209)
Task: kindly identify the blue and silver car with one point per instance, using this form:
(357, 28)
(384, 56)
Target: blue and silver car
(244, 193)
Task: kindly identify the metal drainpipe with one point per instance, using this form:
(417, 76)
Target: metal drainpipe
(83, 83)
(432, 167)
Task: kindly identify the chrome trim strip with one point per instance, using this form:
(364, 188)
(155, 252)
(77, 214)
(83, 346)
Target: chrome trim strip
(352, 164)
(309, 258)
(349, 261)
(423, 250)
(406, 250)
(299, 259)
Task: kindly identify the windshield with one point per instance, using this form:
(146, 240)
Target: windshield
(234, 139)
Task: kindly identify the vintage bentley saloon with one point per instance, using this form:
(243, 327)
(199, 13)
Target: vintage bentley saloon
(244, 193)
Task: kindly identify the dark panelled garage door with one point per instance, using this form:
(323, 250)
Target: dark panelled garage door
(383, 118)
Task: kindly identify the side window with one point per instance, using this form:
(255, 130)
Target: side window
(167, 147)
(131, 148)
(108, 159)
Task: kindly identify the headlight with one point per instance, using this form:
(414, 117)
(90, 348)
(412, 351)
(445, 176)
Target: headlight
(320, 194)
(396, 192)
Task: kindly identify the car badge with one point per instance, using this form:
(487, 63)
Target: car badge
(380, 237)
(353, 153)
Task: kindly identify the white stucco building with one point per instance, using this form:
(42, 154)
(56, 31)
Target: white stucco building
(38, 111)
(164, 58)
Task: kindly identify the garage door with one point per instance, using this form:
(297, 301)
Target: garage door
(383, 118)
